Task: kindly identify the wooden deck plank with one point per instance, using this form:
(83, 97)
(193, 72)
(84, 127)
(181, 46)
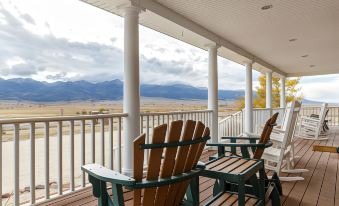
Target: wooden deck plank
(309, 161)
(302, 147)
(320, 187)
(328, 189)
(313, 189)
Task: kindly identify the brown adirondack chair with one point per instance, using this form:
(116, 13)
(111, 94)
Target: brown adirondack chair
(224, 164)
(172, 168)
(256, 147)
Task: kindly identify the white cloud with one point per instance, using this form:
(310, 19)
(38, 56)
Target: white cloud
(50, 40)
(321, 88)
(74, 46)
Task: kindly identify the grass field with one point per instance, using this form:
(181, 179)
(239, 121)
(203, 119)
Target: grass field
(13, 109)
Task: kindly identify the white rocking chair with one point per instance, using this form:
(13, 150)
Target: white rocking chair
(311, 127)
(281, 154)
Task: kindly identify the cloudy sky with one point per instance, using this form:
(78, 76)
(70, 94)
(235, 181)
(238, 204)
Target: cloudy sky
(68, 40)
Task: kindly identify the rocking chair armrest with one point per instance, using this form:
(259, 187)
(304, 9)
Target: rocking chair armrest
(310, 119)
(106, 175)
(278, 130)
(252, 135)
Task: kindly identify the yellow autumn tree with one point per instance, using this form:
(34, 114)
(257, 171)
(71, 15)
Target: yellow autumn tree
(292, 90)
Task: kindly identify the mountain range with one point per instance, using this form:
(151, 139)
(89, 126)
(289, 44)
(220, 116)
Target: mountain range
(25, 89)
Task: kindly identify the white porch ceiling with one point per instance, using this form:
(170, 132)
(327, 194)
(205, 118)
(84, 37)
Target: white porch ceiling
(245, 31)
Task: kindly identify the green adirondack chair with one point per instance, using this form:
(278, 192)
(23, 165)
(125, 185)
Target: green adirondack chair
(256, 143)
(172, 168)
(251, 150)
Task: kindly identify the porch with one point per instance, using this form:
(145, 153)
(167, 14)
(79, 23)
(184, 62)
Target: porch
(48, 171)
(320, 186)
(51, 164)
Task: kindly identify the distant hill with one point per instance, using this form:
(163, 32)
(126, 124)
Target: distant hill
(30, 90)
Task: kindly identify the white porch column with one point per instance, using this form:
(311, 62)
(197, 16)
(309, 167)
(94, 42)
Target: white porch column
(269, 91)
(131, 98)
(213, 89)
(248, 98)
(282, 93)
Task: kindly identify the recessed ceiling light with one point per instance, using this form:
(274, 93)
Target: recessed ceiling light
(292, 40)
(303, 56)
(266, 7)
(312, 65)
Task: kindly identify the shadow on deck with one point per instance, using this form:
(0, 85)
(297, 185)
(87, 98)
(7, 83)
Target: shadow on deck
(318, 188)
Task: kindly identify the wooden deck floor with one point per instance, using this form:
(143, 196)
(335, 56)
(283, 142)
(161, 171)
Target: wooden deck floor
(318, 188)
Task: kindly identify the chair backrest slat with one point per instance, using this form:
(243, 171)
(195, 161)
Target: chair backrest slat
(291, 122)
(159, 134)
(198, 132)
(176, 160)
(169, 161)
(138, 166)
(286, 117)
(265, 135)
(322, 113)
(180, 160)
(201, 146)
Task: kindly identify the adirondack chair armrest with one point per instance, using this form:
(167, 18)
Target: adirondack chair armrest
(201, 165)
(269, 144)
(241, 138)
(106, 175)
(169, 180)
(244, 147)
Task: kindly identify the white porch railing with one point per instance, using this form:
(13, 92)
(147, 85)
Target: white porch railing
(52, 163)
(48, 163)
(332, 116)
(234, 125)
(50, 166)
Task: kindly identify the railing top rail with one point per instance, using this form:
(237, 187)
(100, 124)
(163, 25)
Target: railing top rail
(176, 112)
(59, 118)
(261, 109)
(230, 116)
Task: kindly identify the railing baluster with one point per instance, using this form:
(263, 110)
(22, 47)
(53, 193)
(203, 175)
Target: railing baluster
(111, 131)
(59, 128)
(208, 120)
(147, 136)
(71, 158)
(82, 151)
(93, 139)
(32, 142)
(47, 160)
(141, 124)
(102, 132)
(119, 145)
(337, 116)
(16, 165)
(44, 123)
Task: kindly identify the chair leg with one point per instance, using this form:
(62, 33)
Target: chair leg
(193, 192)
(219, 186)
(241, 194)
(118, 198)
(100, 192)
